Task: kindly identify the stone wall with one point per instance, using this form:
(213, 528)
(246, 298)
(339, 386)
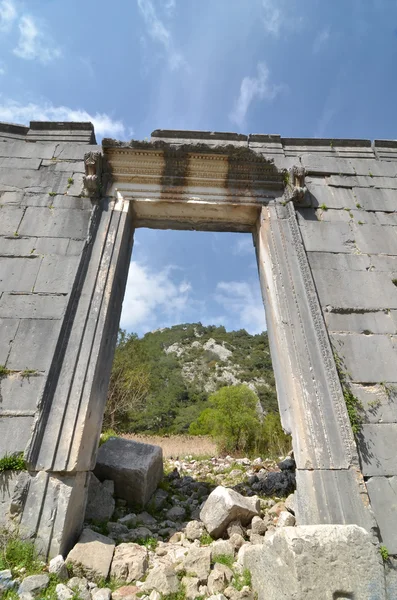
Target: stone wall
(327, 260)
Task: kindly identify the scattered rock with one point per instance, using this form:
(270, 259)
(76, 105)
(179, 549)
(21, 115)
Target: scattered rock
(276, 483)
(129, 520)
(33, 584)
(221, 548)
(80, 585)
(276, 510)
(236, 540)
(225, 505)
(191, 585)
(285, 519)
(258, 526)
(58, 567)
(126, 592)
(177, 513)
(92, 555)
(290, 503)
(63, 592)
(100, 503)
(135, 468)
(163, 579)
(219, 578)
(194, 530)
(130, 562)
(102, 594)
(198, 562)
(235, 527)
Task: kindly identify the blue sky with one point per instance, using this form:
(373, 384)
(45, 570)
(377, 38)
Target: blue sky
(299, 68)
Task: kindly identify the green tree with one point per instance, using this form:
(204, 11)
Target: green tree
(129, 381)
(231, 419)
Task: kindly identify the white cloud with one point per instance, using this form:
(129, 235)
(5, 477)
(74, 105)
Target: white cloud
(31, 44)
(251, 88)
(272, 16)
(160, 34)
(15, 112)
(321, 39)
(8, 14)
(244, 245)
(243, 304)
(153, 297)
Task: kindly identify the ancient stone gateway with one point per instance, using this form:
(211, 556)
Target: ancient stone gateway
(322, 215)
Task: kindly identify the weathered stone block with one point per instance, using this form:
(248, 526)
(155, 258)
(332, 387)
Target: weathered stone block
(92, 555)
(24, 150)
(375, 239)
(367, 358)
(130, 562)
(224, 506)
(57, 274)
(21, 393)
(17, 246)
(33, 346)
(135, 468)
(18, 274)
(326, 165)
(8, 480)
(355, 289)
(47, 222)
(32, 306)
(10, 219)
(368, 323)
(383, 496)
(332, 197)
(15, 433)
(100, 503)
(377, 445)
(49, 245)
(342, 262)
(379, 402)
(295, 563)
(8, 329)
(327, 237)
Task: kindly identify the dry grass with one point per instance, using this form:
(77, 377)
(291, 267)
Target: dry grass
(178, 446)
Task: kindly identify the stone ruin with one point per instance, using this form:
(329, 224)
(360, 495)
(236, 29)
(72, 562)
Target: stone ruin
(323, 218)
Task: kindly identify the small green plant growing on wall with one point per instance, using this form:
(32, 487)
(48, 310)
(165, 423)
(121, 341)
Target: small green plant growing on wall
(4, 371)
(358, 205)
(353, 404)
(394, 281)
(384, 553)
(323, 206)
(52, 194)
(12, 462)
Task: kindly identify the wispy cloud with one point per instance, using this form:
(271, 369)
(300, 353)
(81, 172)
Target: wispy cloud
(159, 33)
(8, 14)
(32, 42)
(272, 16)
(321, 39)
(251, 88)
(244, 245)
(15, 112)
(243, 304)
(153, 298)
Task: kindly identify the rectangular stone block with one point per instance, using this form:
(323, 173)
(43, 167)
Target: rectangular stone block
(45, 222)
(326, 165)
(375, 239)
(377, 168)
(10, 219)
(342, 262)
(34, 181)
(65, 166)
(8, 480)
(24, 150)
(385, 218)
(17, 246)
(383, 495)
(367, 358)
(377, 447)
(10, 162)
(49, 245)
(67, 202)
(327, 237)
(75, 247)
(34, 345)
(21, 393)
(18, 274)
(57, 274)
(333, 215)
(363, 290)
(331, 197)
(32, 306)
(379, 402)
(376, 199)
(8, 329)
(67, 151)
(75, 188)
(372, 322)
(14, 198)
(15, 433)
(386, 264)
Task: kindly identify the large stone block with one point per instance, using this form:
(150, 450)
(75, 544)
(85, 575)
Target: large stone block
(368, 323)
(18, 274)
(17, 246)
(377, 445)
(32, 306)
(48, 222)
(375, 199)
(21, 393)
(379, 402)
(327, 237)
(367, 358)
(8, 330)
(224, 506)
(382, 492)
(315, 163)
(100, 502)
(327, 562)
(341, 262)
(57, 274)
(8, 480)
(92, 555)
(10, 219)
(34, 344)
(355, 289)
(135, 468)
(15, 433)
(331, 197)
(24, 150)
(375, 239)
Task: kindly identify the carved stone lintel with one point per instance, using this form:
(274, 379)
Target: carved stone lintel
(295, 189)
(94, 180)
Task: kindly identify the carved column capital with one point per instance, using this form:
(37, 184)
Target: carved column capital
(95, 176)
(295, 188)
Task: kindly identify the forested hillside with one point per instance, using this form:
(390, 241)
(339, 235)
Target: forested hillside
(161, 382)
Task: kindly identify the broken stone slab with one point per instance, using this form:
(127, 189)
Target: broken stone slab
(295, 563)
(58, 567)
(135, 468)
(100, 502)
(130, 562)
(92, 555)
(126, 592)
(198, 562)
(33, 584)
(224, 506)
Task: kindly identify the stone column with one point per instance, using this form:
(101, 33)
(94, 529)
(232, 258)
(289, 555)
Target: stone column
(63, 448)
(329, 484)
